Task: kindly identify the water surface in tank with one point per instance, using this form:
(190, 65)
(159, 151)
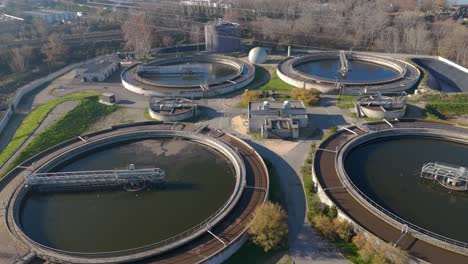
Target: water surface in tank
(200, 182)
(387, 170)
(360, 71)
(192, 73)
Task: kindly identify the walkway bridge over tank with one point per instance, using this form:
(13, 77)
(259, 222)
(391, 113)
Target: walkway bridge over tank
(344, 67)
(130, 179)
(450, 176)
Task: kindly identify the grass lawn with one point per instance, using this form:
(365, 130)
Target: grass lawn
(33, 120)
(70, 125)
(275, 83)
(345, 101)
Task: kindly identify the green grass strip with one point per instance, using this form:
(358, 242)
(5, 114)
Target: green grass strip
(275, 83)
(71, 125)
(33, 120)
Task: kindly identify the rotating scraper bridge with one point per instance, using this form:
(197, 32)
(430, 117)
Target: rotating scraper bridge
(131, 179)
(217, 237)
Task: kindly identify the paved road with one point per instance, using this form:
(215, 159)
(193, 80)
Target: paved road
(305, 245)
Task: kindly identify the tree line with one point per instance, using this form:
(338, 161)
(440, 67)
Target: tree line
(394, 26)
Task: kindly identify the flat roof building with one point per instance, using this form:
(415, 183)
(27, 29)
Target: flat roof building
(277, 119)
(97, 70)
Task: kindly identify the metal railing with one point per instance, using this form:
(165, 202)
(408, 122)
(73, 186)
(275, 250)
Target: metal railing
(389, 217)
(163, 245)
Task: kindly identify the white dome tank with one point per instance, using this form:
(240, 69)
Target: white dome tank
(258, 55)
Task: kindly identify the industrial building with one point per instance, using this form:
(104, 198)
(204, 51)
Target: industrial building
(97, 70)
(53, 16)
(277, 119)
(222, 36)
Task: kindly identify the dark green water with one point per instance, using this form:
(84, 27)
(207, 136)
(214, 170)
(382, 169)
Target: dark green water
(388, 172)
(210, 72)
(200, 182)
(359, 70)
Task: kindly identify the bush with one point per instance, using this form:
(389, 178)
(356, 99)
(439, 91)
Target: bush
(324, 225)
(269, 227)
(309, 97)
(343, 229)
(249, 96)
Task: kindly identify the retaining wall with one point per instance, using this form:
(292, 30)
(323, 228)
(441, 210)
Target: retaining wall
(29, 88)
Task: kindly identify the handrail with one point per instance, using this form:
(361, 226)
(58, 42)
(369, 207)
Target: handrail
(186, 234)
(388, 216)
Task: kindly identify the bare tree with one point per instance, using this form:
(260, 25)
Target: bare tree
(139, 34)
(19, 58)
(54, 49)
(418, 39)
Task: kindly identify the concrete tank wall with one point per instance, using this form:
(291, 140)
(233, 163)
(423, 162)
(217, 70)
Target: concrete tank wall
(172, 117)
(381, 114)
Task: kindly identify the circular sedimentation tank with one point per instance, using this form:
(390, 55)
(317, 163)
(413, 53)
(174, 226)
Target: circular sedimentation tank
(366, 73)
(188, 76)
(380, 168)
(205, 190)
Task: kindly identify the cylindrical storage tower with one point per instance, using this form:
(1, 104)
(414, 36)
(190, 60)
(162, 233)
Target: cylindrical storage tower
(222, 37)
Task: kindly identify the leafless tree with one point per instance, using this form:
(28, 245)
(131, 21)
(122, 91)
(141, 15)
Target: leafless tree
(54, 49)
(418, 40)
(139, 34)
(19, 58)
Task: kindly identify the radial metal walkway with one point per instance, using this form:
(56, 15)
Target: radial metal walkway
(129, 179)
(451, 176)
(344, 67)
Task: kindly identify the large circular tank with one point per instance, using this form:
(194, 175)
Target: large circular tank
(92, 219)
(348, 73)
(258, 55)
(380, 166)
(222, 37)
(188, 76)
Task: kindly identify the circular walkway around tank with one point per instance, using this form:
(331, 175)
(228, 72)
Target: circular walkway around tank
(328, 172)
(228, 231)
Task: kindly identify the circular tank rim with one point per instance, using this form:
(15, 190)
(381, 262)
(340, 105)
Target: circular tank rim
(408, 75)
(382, 212)
(190, 59)
(130, 81)
(389, 64)
(231, 62)
(215, 218)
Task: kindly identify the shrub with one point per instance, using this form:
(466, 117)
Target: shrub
(309, 97)
(343, 229)
(269, 228)
(332, 212)
(359, 240)
(324, 225)
(249, 96)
